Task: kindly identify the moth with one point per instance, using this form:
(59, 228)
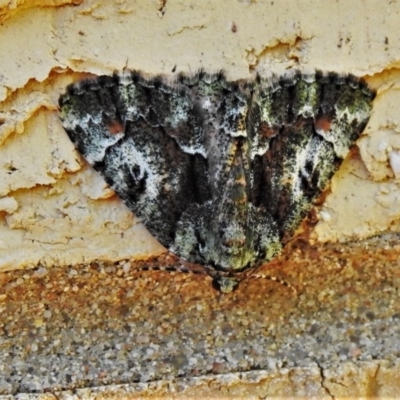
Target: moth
(220, 172)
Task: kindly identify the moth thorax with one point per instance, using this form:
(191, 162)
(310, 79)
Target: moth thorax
(234, 235)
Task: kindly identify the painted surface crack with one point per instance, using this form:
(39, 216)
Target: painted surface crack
(323, 381)
(373, 386)
(184, 28)
(161, 8)
(280, 51)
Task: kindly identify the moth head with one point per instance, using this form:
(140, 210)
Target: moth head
(226, 284)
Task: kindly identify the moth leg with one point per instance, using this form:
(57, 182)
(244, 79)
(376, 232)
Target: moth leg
(275, 279)
(172, 268)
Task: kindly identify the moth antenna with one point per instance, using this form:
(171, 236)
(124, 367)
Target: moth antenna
(275, 279)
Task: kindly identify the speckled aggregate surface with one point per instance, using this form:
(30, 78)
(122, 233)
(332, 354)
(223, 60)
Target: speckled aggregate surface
(98, 325)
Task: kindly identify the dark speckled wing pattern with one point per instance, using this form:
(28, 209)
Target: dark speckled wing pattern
(220, 172)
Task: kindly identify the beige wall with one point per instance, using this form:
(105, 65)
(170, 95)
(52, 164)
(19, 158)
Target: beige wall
(54, 209)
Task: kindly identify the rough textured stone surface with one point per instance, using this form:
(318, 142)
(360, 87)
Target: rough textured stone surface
(163, 334)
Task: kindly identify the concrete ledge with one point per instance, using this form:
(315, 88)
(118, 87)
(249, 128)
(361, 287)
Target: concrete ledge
(120, 332)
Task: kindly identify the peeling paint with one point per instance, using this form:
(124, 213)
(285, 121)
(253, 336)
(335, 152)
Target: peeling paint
(65, 40)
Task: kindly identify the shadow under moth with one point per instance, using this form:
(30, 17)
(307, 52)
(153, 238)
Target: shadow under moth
(220, 172)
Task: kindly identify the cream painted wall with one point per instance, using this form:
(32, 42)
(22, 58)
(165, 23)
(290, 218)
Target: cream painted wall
(54, 209)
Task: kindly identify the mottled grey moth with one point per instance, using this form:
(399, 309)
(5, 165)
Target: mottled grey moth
(220, 172)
